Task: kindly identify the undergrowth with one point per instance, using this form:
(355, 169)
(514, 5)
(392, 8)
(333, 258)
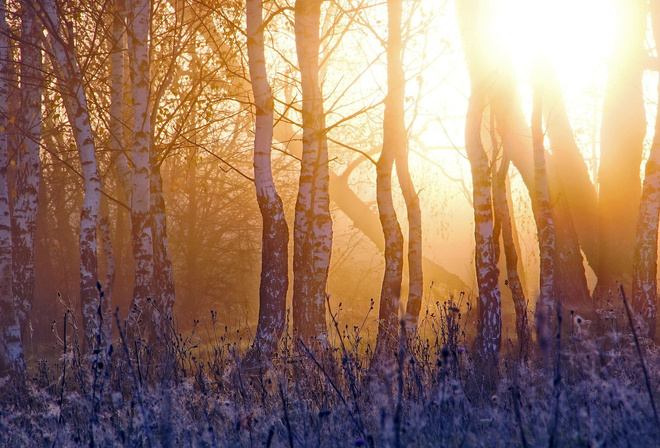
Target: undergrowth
(191, 391)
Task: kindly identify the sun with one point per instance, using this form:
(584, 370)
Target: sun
(575, 36)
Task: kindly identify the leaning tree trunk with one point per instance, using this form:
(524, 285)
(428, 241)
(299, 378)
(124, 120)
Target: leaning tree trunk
(394, 140)
(138, 31)
(313, 223)
(75, 102)
(490, 312)
(11, 349)
(645, 262)
(275, 233)
(545, 304)
(27, 167)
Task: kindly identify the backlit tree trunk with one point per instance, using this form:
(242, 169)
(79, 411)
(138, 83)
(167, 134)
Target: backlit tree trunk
(490, 313)
(139, 16)
(396, 82)
(645, 262)
(503, 221)
(28, 166)
(394, 140)
(66, 65)
(275, 233)
(313, 223)
(622, 138)
(545, 304)
(11, 348)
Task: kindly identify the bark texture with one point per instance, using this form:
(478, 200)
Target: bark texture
(394, 140)
(141, 313)
(313, 223)
(11, 348)
(274, 280)
(645, 262)
(490, 312)
(28, 166)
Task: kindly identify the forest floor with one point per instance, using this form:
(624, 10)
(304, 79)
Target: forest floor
(589, 390)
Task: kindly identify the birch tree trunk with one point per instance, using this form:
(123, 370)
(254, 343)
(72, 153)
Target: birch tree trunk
(545, 305)
(503, 221)
(11, 349)
(645, 262)
(139, 17)
(163, 286)
(27, 167)
(66, 65)
(396, 90)
(275, 233)
(394, 140)
(313, 223)
(490, 312)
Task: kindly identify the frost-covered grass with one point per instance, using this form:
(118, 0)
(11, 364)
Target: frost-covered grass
(192, 391)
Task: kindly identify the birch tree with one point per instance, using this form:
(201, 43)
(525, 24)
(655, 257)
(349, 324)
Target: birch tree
(394, 139)
(275, 232)
(645, 261)
(139, 13)
(64, 60)
(28, 165)
(11, 349)
(313, 223)
(545, 304)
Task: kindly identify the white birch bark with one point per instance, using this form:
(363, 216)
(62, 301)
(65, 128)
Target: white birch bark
(11, 349)
(275, 234)
(545, 305)
(28, 167)
(138, 37)
(503, 220)
(490, 310)
(645, 261)
(313, 224)
(394, 140)
(66, 65)
(116, 122)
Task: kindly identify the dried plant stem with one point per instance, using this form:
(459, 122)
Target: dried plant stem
(639, 353)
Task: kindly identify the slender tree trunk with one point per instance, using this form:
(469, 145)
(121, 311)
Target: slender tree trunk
(313, 223)
(11, 349)
(363, 217)
(75, 101)
(645, 262)
(490, 312)
(139, 17)
(28, 166)
(396, 88)
(394, 141)
(622, 141)
(108, 286)
(503, 222)
(163, 273)
(116, 122)
(275, 233)
(545, 304)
